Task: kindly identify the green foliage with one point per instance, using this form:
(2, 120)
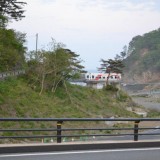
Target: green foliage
(122, 96)
(2, 100)
(151, 60)
(111, 66)
(143, 55)
(11, 50)
(154, 113)
(13, 9)
(111, 88)
(3, 21)
(5, 87)
(19, 100)
(60, 93)
(50, 69)
(122, 55)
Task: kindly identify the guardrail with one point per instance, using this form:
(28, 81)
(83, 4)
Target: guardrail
(11, 73)
(59, 131)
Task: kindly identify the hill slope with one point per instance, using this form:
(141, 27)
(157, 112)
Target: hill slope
(17, 99)
(143, 60)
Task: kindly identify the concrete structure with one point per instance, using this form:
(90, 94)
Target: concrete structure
(28, 148)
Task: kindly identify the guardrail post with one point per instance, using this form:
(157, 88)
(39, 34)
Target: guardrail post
(59, 131)
(136, 123)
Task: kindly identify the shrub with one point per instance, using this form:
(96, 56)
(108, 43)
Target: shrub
(111, 88)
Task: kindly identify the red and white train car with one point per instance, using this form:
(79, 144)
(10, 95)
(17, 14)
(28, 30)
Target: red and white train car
(113, 77)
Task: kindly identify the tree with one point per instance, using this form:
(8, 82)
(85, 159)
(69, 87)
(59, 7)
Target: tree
(3, 21)
(12, 9)
(111, 66)
(117, 57)
(143, 57)
(52, 68)
(12, 50)
(123, 54)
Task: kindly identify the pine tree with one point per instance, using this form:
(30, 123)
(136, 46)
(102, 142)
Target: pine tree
(12, 9)
(111, 66)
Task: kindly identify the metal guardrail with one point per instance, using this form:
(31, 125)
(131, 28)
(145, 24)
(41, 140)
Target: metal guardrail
(59, 130)
(11, 73)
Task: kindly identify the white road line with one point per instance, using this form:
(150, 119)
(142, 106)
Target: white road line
(78, 152)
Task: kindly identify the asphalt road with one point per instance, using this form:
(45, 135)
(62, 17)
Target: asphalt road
(140, 137)
(121, 154)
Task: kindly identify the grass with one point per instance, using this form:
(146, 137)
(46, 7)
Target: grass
(17, 99)
(153, 113)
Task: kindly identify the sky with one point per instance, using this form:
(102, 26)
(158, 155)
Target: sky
(94, 29)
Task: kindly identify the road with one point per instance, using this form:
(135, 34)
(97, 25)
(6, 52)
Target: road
(118, 154)
(146, 103)
(128, 137)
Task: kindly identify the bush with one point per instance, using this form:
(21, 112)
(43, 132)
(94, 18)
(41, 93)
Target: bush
(111, 88)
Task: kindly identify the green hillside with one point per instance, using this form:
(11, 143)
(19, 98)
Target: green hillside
(18, 99)
(143, 58)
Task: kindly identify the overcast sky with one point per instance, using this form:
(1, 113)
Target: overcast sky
(94, 29)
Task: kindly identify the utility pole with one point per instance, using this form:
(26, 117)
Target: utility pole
(36, 42)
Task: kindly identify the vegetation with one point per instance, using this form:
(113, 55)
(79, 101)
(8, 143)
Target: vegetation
(122, 55)
(12, 9)
(114, 66)
(45, 91)
(111, 66)
(12, 50)
(154, 113)
(48, 70)
(18, 99)
(143, 57)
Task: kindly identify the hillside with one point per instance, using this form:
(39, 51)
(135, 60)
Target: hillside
(18, 99)
(143, 58)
